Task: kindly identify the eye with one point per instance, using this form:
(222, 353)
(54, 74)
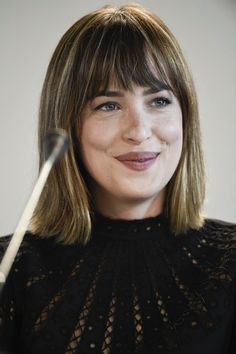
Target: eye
(107, 107)
(160, 102)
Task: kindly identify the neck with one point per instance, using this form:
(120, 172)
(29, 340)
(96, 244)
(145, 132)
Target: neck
(130, 209)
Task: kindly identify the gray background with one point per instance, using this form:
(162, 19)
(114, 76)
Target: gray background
(29, 32)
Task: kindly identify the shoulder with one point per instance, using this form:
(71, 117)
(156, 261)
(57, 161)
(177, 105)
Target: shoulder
(219, 230)
(216, 224)
(213, 247)
(215, 234)
(33, 251)
(41, 253)
(29, 246)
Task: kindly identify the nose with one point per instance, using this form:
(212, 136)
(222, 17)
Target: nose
(137, 127)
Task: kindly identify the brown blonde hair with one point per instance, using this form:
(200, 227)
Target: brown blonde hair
(130, 45)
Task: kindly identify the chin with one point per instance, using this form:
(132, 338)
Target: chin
(139, 195)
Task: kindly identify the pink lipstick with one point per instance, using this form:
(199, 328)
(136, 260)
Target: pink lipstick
(138, 161)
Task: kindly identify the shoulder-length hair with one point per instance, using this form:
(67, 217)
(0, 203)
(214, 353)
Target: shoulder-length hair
(130, 45)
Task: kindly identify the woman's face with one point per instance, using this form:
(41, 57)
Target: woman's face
(131, 143)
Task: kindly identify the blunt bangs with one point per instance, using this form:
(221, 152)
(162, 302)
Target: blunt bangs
(121, 53)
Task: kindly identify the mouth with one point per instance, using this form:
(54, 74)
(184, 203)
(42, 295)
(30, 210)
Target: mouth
(138, 161)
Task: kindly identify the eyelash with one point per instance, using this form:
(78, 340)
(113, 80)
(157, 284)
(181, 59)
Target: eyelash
(165, 101)
(115, 106)
(103, 105)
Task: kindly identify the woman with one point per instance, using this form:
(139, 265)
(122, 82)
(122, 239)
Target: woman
(119, 258)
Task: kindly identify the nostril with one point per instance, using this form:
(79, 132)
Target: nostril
(137, 134)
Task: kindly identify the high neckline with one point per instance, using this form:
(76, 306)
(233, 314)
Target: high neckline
(135, 229)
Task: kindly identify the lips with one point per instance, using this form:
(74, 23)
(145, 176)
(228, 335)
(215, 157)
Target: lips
(138, 161)
(137, 156)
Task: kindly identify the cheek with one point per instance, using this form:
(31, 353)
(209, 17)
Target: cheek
(174, 134)
(91, 144)
(171, 132)
(92, 138)
(95, 142)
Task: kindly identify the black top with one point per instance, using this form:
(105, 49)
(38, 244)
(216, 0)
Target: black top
(134, 288)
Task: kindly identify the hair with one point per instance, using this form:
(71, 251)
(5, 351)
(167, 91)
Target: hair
(130, 45)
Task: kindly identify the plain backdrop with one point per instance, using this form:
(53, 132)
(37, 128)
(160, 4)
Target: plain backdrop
(29, 32)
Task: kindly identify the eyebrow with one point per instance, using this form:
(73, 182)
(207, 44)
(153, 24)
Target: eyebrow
(146, 92)
(151, 90)
(110, 94)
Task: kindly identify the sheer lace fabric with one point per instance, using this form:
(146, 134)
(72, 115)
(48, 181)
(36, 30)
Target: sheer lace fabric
(135, 288)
